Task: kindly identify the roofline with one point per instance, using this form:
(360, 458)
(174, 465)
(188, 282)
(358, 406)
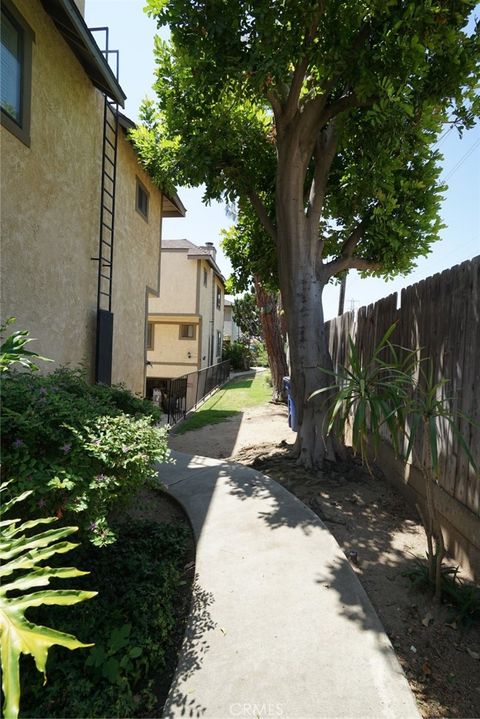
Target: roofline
(129, 124)
(71, 25)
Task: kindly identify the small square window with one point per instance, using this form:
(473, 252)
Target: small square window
(150, 335)
(16, 71)
(142, 200)
(188, 332)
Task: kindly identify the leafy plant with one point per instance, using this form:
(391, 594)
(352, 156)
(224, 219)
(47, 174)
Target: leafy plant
(380, 393)
(22, 555)
(12, 349)
(464, 597)
(137, 621)
(81, 448)
(369, 395)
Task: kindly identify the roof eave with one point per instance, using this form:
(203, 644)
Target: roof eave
(75, 32)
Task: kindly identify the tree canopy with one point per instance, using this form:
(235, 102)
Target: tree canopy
(322, 117)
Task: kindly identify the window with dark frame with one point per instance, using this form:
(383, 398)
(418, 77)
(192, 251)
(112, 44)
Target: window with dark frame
(142, 200)
(150, 335)
(205, 277)
(219, 298)
(16, 71)
(187, 332)
(219, 343)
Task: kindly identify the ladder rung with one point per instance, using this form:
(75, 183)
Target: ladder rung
(107, 226)
(107, 294)
(110, 178)
(110, 143)
(104, 207)
(105, 277)
(110, 194)
(112, 162)
(112, 127)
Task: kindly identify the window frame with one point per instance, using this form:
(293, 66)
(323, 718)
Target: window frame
(219, 344)
(21, 129)
(183, 337)
(150, 339)
(219, 297)
(140, 188)
(205, 277)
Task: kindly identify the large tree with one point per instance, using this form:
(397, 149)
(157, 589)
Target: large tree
(337, 105)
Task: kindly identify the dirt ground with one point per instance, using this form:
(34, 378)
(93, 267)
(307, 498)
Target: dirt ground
(382, 536)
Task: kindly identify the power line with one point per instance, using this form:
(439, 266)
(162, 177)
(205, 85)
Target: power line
(462, 159)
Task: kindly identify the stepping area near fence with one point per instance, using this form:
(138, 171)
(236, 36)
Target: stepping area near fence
(279, 624)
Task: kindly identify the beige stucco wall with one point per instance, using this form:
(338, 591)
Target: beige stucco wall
(179, 284)
(169, 357)
(205, 309)
(50, 202)
(218, 320)
(135, 267)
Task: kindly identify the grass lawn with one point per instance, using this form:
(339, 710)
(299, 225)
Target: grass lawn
(231, 399)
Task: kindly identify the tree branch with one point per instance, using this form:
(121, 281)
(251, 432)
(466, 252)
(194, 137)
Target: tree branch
(352, 241)
(300, 71)
(325, 149)
(344, 103)
(348, 263)
(262, 214)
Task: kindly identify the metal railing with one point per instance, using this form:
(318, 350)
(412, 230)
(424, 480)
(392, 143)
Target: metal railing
(178, 396)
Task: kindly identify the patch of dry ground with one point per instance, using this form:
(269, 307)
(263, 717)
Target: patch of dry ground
(381, 535)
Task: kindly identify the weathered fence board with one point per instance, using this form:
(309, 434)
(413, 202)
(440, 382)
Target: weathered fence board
(441, 317)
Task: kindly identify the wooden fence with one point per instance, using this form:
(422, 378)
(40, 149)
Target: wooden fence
(440, 315)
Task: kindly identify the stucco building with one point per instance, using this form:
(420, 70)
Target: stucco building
(186, 321)
(81, 220)
(231, 331)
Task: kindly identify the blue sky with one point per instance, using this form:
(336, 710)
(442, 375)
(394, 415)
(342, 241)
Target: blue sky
(132, 32)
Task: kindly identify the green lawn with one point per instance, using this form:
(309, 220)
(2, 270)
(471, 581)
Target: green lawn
(231, 399)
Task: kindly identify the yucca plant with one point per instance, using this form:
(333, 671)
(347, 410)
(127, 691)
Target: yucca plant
(425, 410)
(381, 392)
(370, 394)
(22, 570)
(12, 349)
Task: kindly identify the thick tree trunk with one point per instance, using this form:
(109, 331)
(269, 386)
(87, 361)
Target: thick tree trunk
(302, 279)
(272, 336)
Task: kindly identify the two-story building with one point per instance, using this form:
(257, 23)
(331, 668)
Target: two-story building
(80, 218)
(185, 323)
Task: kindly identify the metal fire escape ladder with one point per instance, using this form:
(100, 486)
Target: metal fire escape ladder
(104, 337)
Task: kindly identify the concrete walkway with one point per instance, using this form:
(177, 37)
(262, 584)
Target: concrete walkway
(280, 625)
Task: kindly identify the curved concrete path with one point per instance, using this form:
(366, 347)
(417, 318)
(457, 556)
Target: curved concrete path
(280, 626)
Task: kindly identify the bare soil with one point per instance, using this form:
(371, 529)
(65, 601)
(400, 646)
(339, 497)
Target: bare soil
(382, 537)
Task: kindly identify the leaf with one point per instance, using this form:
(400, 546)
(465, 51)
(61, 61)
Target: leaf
(17, 634)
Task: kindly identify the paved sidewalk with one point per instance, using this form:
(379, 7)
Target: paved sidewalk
(280, 626)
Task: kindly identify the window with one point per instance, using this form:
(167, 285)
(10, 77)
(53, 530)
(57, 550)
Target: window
(219, 344)
(142, 200)
(16, 70)
(188, 332)
(150, 335)
(205, 277)
(219, 298)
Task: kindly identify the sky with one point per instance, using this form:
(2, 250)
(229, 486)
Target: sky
(132, 33)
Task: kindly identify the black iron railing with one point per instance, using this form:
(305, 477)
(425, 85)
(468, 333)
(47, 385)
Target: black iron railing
(178, 396)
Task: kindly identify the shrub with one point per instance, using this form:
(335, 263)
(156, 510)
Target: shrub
(135, 623)
(238, 353)
(81, 448)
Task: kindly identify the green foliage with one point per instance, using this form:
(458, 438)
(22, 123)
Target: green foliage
(369, 394)
(246, 315)
(240, 81)
(395, 393)
(80, 448)
(12, 349)
(135, 622)
(462, 596)
(259, 352)
(23, 555)
(238, 353)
